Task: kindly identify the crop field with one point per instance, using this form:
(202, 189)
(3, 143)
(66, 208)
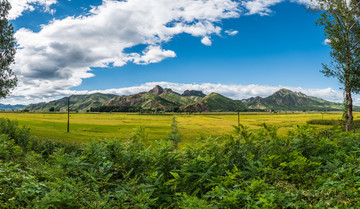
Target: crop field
(119, 125)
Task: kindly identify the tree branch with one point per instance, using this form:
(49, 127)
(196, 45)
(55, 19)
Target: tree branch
(338, 20)
(355, 45)
(354, 23)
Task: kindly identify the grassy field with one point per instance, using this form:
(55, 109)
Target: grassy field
(109, 125)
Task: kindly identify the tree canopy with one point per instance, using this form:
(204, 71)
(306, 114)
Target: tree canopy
(340, 19)
(8, 80)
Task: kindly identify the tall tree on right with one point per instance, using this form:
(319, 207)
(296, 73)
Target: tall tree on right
(340, 19)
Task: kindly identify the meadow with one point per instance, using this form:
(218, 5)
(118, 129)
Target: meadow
(85, 126)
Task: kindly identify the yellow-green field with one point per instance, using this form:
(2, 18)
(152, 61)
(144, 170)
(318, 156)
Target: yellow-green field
(118, 125)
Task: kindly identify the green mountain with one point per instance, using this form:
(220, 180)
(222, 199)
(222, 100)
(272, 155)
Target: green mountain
(77, 102)
(156, 98)
(168, 100)
(286, 100)
(159, 99)
(215, 102)
(193, 93)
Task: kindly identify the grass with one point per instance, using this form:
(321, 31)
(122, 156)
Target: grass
(84, 126)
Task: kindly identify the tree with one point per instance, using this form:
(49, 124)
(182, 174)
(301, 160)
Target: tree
(340, 19)
(8, 79)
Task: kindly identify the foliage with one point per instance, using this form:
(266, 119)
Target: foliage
(341, 123)
(107, 108)
(340, 19)
(175, 134)
(250, 169)
(323, 122)
(8, 80)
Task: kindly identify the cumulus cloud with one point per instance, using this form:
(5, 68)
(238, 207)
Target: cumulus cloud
(206, 41)
(260, 7)
(151, 54)
(62, 53)
(233, 91)
(231, 32)
(20, 6)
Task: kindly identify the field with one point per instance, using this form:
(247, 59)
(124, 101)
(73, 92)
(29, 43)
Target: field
(118, 125)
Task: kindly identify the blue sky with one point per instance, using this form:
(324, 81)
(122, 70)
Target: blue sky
(76, 47)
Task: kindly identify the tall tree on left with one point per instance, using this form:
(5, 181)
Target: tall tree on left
(8, 80)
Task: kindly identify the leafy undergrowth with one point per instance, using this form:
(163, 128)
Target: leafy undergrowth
(248, 169)
(355, 124)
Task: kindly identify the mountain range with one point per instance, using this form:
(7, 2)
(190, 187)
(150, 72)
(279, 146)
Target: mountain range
(77, 102)
(286, 100)
(160, 99)
(7, 107)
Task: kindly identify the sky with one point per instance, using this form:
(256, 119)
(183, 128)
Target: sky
(238, 48)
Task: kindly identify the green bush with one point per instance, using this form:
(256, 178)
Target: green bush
(324, 122)
(248, 169)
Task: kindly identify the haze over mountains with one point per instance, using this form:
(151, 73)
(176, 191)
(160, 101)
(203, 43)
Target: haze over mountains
(160, 99)
(8, 107)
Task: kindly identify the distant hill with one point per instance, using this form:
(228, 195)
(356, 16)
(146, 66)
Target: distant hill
(8, 107)
(156, 98)
(193, 93)
(77, 102)
(215, 102)
(286, 100)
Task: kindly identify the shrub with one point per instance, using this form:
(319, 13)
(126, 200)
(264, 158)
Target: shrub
(249, 169)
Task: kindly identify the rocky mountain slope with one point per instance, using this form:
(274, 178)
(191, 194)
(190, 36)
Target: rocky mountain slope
(215, 102)
(156, 98)
(286, 100)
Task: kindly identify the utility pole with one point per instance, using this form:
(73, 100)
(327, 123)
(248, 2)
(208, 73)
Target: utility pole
(238, 118)
(68, 123)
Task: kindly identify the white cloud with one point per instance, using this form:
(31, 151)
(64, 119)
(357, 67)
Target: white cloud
(151, 54)
(20, 6)
(233, 91)
(326, 42)
(62, 53)
(306, 2)
(260, 7)
(206, 41)
(232, 32)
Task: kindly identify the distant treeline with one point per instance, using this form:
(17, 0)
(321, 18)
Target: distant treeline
(158, 109)
(116, 109)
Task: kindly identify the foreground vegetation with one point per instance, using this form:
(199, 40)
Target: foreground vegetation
(248, 169)
(119, 125)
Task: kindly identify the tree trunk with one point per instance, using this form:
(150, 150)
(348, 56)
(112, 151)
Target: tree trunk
(349, 112)
(348, 102)
(348, 88)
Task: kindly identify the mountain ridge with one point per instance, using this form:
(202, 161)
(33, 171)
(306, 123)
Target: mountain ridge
(7, 107)
(287, 100)
(165, 99)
